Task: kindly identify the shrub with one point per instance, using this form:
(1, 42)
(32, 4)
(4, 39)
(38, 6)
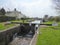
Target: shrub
(5, 18)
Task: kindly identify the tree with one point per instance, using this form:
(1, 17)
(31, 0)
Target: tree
(56, 5)
(2, 11)
(45, 18)
(57, 18)
(51, 18)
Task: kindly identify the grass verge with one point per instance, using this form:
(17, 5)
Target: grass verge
(3, 27)
(49, 36)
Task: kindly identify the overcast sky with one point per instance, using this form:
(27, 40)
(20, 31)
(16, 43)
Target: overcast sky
(31, 8)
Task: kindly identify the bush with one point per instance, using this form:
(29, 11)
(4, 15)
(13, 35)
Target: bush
(2, 11)
(57, 18)
(6, 18)
(51, 18)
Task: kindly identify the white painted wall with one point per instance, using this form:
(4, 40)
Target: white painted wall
(16, 14)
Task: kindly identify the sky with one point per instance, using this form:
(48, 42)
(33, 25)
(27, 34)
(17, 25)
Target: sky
(30, 8)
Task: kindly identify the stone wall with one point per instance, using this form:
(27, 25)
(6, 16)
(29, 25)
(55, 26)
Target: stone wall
(26, 28)
(34, 39)
(7, 36)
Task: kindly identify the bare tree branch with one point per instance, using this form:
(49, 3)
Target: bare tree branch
(57, 4)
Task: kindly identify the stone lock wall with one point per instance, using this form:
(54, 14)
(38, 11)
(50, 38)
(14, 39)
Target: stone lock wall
(7, 36)
(27, 28)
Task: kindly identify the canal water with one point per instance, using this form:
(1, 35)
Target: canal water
(36, 22)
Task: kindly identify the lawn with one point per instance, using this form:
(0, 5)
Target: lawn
(3, 27)
(49, 22)
(49, 36)
(19, 20)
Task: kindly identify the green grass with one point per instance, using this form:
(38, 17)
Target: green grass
(16, 21)
(49, 36)
(50, 22)
(3, 27)
(21, 21)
